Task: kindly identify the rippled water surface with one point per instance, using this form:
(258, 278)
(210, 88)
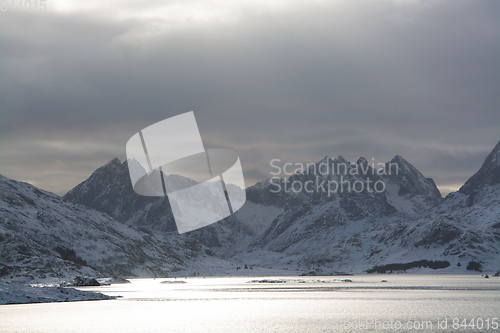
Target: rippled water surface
(274, 304)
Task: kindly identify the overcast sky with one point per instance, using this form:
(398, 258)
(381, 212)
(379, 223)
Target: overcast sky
(293, 80)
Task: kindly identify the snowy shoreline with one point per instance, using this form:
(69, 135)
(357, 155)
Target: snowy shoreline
(14, 293)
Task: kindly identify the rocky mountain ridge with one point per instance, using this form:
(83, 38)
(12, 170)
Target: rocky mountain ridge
(120, 232)
(46, 237)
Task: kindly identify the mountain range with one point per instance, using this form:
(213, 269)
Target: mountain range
(102, 227)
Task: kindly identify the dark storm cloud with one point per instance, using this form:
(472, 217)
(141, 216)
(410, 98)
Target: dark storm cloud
(371, 79)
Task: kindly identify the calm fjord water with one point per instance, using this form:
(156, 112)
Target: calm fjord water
(405, 303)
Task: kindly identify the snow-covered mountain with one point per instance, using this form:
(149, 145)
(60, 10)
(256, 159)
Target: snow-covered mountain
(315, 216)
(302, 219)
(407, 189)
(357, 231)
(43, 236)
(109, 190)
(120, 232)
(397, 186)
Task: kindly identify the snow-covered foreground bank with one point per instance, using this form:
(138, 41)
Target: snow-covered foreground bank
(14, 293)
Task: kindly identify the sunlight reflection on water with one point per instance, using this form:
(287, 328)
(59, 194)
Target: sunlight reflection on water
(237, 305)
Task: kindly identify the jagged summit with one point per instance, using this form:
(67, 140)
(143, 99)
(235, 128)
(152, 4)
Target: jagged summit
(488, 174)
(401, 187)
(407, 181)
(361, 160)
(404, 164)
(115, 161)
(340, 159)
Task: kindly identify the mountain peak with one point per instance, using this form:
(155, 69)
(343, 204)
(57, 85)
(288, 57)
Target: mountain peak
(361, 160)
(403, 166)
(340, 159)
(114, 163)
(115, 160)
(488, 174)
(399, 159)
(411, 183)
